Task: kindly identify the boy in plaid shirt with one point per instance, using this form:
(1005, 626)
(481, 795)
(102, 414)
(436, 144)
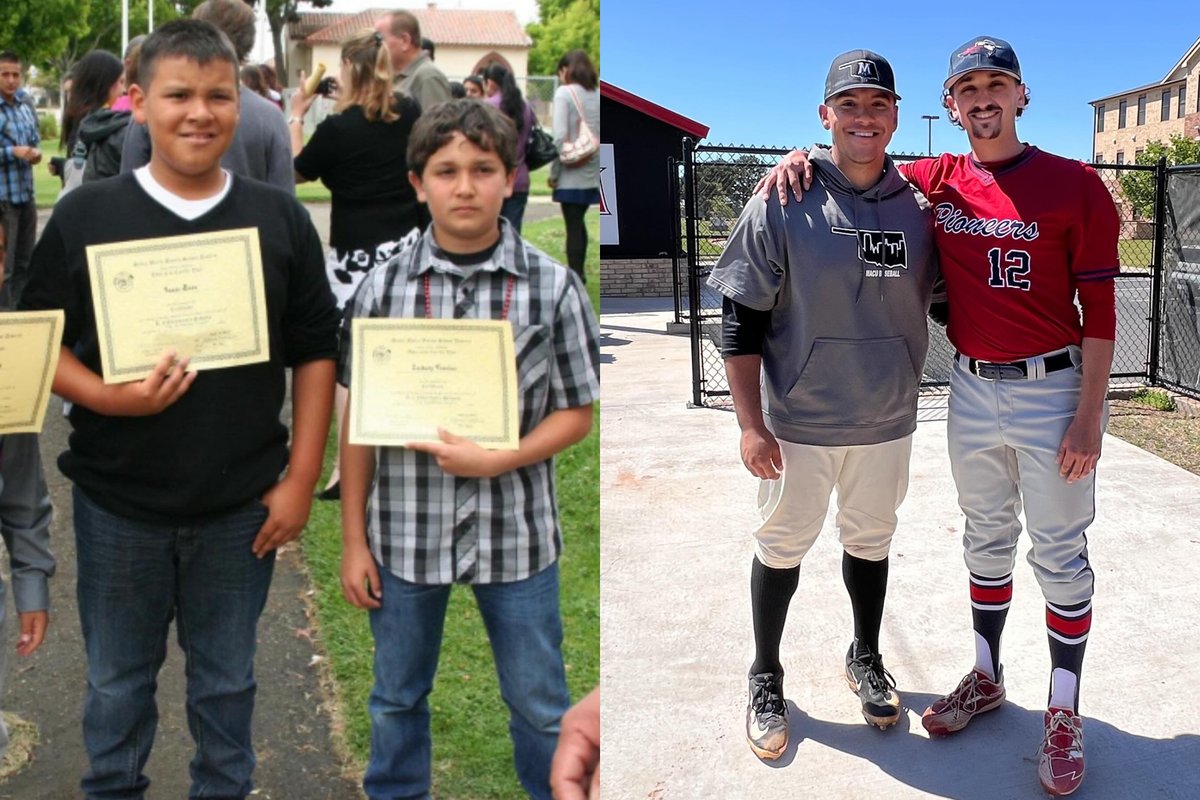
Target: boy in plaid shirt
(420, 518)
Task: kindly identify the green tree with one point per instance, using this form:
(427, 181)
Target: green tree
(723, 187)
(563, 25)
(103, 29)
(1138, 187)
(37, 31)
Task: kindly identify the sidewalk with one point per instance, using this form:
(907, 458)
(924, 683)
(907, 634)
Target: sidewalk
(676, 639)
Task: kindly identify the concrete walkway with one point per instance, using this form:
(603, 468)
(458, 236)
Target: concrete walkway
(676, 641)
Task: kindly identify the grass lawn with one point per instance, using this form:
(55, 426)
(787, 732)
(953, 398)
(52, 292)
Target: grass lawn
(45, 186)
(472, 756)
(1135, 253)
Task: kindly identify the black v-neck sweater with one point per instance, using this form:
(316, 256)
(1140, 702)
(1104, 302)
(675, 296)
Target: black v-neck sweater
(223, 443)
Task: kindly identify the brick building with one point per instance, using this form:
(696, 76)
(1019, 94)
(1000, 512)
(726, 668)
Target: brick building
(1125, 121)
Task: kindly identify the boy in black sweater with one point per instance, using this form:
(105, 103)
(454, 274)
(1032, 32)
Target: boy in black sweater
(179, 501)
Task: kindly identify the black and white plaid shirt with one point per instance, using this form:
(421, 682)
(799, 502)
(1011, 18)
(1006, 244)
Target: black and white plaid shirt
(426, 525)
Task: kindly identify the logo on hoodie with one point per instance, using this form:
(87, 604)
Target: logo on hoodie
(886, 249)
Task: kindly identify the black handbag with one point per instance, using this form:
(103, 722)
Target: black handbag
(539, 149)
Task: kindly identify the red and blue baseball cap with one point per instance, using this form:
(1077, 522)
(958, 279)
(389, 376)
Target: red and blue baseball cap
(983, 53)
(859, 69)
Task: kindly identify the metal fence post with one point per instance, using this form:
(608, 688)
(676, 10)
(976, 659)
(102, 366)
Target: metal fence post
(1156, 275)
(676, 248)
(693, 262)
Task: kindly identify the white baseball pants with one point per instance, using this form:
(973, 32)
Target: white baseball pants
(1004, 437)
(871, 481)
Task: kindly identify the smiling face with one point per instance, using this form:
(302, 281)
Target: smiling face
(10, 79)
(986, 104)
(464, 186)
(191, 111)
(862, 122)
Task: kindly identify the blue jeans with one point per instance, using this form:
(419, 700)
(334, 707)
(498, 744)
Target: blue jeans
(133, 578)
(525, 629)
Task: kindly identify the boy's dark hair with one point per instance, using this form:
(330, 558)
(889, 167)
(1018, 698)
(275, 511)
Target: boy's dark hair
(9, 57)
(428, 46)
(193, 39)
(234, 18)
(484, 126)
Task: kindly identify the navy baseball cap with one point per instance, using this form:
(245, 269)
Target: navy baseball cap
(983, 53)
(859, 69)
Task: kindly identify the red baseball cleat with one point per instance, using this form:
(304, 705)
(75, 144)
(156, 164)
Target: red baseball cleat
(975, 694)
(1060, 765)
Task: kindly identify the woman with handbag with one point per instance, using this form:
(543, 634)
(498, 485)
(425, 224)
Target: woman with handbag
(503, 93)
(576, 177)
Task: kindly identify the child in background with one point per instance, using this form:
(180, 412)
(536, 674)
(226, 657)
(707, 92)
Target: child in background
(25, 524)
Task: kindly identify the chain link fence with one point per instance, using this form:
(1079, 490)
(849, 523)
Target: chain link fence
(1177, 359)
(712, 183)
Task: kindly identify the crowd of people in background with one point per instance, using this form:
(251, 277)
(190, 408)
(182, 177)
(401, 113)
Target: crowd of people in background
(122, 125)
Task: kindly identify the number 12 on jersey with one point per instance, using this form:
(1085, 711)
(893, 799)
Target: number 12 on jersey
(1009, 269)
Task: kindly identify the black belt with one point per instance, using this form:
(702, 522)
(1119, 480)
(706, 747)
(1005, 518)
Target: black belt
(1014, 370)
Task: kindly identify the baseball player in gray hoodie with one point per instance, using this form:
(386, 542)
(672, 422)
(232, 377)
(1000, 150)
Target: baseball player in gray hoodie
(824, 340)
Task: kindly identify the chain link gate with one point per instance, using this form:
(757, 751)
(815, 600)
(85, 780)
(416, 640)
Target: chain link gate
(1176, 357)
(712, 183)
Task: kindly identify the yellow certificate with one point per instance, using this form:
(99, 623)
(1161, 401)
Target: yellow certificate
(412, 376)
(201, 294)
(29, 345)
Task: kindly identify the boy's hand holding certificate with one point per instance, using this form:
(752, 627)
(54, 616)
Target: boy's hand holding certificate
(413, 376)
(201, 295)
(29, 345)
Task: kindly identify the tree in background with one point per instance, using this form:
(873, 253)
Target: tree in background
(279, 13)
(38, 31)
(1138, 187)
(103, 28)
(563, 25)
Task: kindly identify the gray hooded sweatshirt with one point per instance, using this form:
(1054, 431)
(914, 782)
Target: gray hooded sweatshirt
(847, 275)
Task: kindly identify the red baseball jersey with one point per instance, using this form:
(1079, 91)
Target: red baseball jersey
(1017, 242)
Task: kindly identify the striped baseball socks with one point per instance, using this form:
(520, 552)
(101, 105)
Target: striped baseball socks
(990, 599)
(1067, 628)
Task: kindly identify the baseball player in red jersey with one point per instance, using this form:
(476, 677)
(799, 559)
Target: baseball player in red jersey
(1022, 234)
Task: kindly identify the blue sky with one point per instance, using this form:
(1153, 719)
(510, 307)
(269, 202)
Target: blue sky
(754, 70)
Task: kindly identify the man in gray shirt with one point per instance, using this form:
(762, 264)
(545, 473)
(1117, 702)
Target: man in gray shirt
(261, 148)
(416, 74)
(824, 343)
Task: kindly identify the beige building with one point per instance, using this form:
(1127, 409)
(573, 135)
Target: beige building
(465, 41)
(1125, 121)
